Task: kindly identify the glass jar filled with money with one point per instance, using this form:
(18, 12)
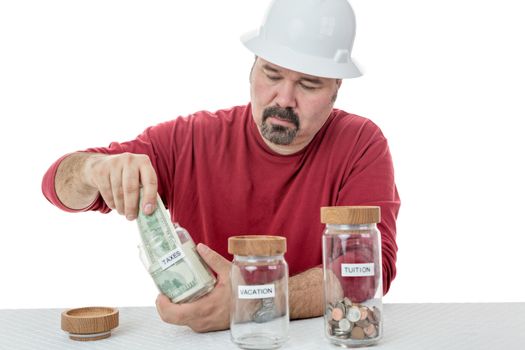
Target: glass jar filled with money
(259, 317)
(170, 256)
(352, 275)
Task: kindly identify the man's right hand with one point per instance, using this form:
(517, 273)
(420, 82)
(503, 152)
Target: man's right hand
(118, 178)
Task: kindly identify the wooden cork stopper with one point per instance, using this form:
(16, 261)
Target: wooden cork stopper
(256, 245)
(354, 215)
(89, 323)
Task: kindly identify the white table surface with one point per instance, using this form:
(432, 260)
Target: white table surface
(477, 326)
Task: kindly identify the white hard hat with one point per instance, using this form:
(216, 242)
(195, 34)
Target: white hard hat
(314, 37)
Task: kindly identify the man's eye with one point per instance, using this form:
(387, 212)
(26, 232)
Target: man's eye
(308, 87)
(273, 77)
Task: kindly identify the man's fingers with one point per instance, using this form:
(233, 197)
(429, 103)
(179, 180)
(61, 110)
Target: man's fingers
(115, 178)
(148, 178)
(167, 310)
(198, 315)
(214, 260)
(131, 188)
(170, 312)
(118, 178)
(104, 187)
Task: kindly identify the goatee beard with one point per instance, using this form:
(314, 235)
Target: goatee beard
(279, 134)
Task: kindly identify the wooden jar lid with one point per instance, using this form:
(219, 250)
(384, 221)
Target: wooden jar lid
(89, 323)
(256, 245)
(352, 215)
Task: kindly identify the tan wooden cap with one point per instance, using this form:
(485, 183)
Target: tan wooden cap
(352, 215)
(89, 323)
(257, 245)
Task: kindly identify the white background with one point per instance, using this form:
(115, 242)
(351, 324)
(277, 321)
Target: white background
(445, 81)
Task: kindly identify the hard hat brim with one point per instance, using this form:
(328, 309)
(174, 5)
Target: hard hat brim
(300, 62)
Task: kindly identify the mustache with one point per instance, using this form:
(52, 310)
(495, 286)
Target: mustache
(283, 113)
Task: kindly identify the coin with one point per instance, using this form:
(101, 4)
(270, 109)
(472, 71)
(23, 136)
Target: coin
(370, 331)
(362, 323)
(266, 312)
(263, 315)
(328, 312)
(357, 333)
(342, 336)
(364, 313)
(345, 325)
(347, 302)
(376, 314)
(353, 314)
(330, 329)
(347, 320)
(341, 305)
(337, 314)
(333, 323)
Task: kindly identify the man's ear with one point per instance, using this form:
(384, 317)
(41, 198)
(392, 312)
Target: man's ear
(251, 70)
(338, 83)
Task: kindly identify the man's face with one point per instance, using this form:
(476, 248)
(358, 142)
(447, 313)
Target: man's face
(289, 107)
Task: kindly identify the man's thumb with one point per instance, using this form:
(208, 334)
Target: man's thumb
(214, 260)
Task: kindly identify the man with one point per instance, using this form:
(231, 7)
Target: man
(266, 167)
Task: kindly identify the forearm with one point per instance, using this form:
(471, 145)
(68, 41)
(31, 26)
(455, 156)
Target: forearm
(71, 187)
(305, 292)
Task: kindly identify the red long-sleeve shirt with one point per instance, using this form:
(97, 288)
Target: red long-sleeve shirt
(218, 178)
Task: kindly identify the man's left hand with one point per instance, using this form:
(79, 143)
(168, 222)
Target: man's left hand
(212, 311)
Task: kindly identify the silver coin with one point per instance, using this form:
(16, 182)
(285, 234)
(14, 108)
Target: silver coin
(353, 314)
(328, 310)
(345, 325)
(333, 323)
(262, 316)
(340, 332)
(342, 306)
(347, 302)
(266, 312)
(268, 302)
(342, 336)
(328, 314)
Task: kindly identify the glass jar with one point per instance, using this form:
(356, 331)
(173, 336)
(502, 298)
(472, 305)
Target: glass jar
(259, 317)
(171, 258)
(352, 266)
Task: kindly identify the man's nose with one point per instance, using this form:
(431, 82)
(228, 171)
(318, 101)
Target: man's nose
(285, 97)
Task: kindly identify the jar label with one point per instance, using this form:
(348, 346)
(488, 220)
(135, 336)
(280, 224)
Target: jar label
(357, 270)
(171, 258)
(257, 292)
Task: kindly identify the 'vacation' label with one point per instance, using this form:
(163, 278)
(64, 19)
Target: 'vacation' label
(357, 270)
(257, 292)
(171, 258)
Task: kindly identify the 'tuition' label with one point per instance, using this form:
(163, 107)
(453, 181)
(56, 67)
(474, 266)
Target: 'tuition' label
(357, 270)
(257, 292)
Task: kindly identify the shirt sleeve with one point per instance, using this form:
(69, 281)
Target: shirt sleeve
(157, 142)
(370, 181)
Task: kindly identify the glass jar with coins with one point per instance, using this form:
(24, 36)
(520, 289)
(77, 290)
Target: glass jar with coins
(259, 317)
(352, 275)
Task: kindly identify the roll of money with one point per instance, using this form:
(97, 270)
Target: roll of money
(171, 258)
